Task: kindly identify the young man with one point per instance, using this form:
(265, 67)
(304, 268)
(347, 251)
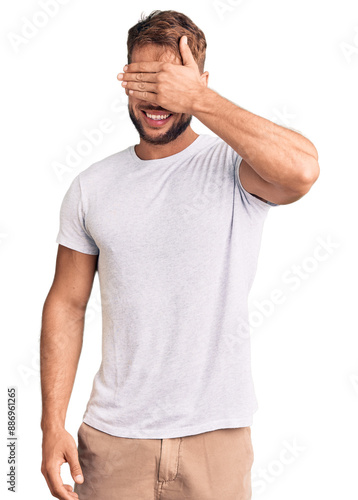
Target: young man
(173, 226)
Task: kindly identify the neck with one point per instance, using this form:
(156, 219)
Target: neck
(147, 151)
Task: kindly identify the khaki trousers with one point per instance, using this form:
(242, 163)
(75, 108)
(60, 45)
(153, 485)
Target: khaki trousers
(214, 465)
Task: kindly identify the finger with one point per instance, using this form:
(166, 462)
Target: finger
(70, 490)
(56, 485)
(186, 54)
(145, 96)
(73, 462)
(142, 86)
(144, 67)
(138, 77)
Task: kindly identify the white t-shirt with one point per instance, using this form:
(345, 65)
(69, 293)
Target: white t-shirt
(178, 240)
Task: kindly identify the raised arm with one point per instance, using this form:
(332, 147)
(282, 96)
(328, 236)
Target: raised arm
(60, 348)
(278, 164)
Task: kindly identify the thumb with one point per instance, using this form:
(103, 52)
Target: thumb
(75, 468)
(186, 54)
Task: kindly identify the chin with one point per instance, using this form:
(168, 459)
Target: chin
(160, 136)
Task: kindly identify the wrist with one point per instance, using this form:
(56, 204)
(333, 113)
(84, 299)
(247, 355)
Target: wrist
(52, 424)
(204, 100)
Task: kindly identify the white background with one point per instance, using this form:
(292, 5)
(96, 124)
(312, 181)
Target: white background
(293, 62)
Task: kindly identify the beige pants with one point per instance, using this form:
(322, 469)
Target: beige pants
(213, 465)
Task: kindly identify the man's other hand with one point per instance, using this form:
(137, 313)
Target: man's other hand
(58, 447)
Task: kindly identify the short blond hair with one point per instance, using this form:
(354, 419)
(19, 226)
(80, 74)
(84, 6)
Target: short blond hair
(165, 28)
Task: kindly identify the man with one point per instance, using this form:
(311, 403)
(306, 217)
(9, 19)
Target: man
(173, 226)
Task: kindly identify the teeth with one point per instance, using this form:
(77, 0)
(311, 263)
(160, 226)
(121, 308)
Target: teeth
(157, 117)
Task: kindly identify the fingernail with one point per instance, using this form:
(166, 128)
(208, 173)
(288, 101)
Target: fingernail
(120, 76)
(185, 39)
(124, 84)
(79, 478)
(125, 68)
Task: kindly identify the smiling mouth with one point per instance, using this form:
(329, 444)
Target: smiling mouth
(156, 118)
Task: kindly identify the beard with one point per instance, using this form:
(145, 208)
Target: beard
(170, 135)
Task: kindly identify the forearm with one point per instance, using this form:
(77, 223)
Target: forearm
(279, 155)
(60, 349)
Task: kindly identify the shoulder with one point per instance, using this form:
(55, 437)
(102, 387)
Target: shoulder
(102, 170)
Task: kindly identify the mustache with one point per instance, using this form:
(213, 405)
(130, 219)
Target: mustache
(155, 109)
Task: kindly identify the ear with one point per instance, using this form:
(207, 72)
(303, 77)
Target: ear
(205, 78)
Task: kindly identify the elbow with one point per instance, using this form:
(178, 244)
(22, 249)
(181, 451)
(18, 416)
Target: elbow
(309, 174)
(305, 175)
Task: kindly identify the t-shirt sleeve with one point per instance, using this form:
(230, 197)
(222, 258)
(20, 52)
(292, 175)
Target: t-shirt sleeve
(247, 197)
(72, 232)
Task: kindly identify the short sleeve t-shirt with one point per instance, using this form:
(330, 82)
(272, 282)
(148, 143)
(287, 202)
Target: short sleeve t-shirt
(177, 240)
